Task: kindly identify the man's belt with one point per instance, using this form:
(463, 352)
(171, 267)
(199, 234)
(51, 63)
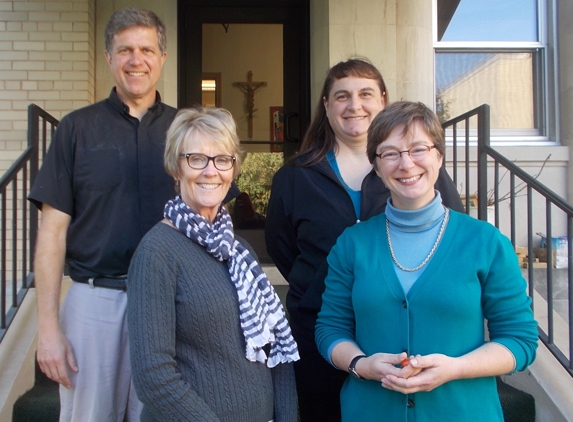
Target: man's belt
(107, 282)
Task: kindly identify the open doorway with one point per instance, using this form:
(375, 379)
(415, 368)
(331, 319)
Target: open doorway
(261, 56)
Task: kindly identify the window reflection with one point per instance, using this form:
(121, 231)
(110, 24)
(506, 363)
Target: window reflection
(505, 81)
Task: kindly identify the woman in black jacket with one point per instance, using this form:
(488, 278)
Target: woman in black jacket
(327, 187)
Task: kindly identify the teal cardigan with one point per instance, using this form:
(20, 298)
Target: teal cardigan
(474, 275)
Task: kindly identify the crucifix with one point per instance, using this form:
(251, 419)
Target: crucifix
(249, 88)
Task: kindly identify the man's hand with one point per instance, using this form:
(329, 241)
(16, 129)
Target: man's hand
(55, 356)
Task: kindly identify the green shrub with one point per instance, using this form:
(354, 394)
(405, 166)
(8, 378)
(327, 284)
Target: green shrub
(256, 178)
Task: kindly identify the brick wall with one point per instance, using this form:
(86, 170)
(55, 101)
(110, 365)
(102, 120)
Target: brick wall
(46, 58)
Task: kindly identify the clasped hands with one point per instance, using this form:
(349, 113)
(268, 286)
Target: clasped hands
(419, 373)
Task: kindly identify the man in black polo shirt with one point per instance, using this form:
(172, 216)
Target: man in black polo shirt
(102, 186)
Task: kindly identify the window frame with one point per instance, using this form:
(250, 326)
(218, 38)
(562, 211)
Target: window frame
(545, 77)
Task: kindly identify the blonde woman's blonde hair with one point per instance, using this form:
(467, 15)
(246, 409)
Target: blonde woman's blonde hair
(216, 123)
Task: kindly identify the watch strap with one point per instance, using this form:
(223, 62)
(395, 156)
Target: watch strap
(352, 366)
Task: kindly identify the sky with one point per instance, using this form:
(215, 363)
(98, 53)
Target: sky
(493, 20)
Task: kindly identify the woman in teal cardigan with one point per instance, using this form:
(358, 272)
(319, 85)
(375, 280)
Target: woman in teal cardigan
(408, 291)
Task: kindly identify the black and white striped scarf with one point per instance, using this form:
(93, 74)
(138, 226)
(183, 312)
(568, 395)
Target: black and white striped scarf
(263, 320)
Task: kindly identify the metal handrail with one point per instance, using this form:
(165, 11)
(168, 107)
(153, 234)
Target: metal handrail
(19, 219)
(486, 157)
(38, 121)
(41, 127)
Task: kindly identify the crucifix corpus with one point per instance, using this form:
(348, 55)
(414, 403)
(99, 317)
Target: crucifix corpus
(249, 89)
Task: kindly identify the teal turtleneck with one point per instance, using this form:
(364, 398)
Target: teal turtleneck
(413, 234)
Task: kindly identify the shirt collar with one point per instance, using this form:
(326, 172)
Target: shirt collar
(124, 108)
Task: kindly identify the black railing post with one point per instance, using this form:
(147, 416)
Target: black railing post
(570, 286)
(455, 161)
(14, 242)
(3, 279)
(483, 142)
(512, 209)
(25, 226)
(531, 287)
(550, 264)
(495, 193)
(33, 135)
(467, 155)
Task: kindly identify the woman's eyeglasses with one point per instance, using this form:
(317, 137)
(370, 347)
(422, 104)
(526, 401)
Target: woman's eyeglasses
(200, 161)
(416, 153)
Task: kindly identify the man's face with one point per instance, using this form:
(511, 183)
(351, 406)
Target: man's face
(135, 63)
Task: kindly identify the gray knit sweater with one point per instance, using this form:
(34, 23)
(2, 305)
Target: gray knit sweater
(187, 347)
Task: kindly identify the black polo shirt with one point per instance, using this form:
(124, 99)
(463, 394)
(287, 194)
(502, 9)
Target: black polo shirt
(105, 169)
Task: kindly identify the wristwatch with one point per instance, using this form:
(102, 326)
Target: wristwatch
(352, 366)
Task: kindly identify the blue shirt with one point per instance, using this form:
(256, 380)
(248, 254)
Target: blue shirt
(355, 195)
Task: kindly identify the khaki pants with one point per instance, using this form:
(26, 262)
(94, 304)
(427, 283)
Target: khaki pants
(94, 321)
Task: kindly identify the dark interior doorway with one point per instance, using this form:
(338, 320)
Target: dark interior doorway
(293, 15)
(197, 22)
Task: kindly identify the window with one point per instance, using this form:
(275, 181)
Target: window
(495, 52)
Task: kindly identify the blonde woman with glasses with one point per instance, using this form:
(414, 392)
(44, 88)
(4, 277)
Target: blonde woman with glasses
(209, 338)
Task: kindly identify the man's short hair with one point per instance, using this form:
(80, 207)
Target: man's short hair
(133, 17)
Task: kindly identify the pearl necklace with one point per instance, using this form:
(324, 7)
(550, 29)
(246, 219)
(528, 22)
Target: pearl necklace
(425, 261)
